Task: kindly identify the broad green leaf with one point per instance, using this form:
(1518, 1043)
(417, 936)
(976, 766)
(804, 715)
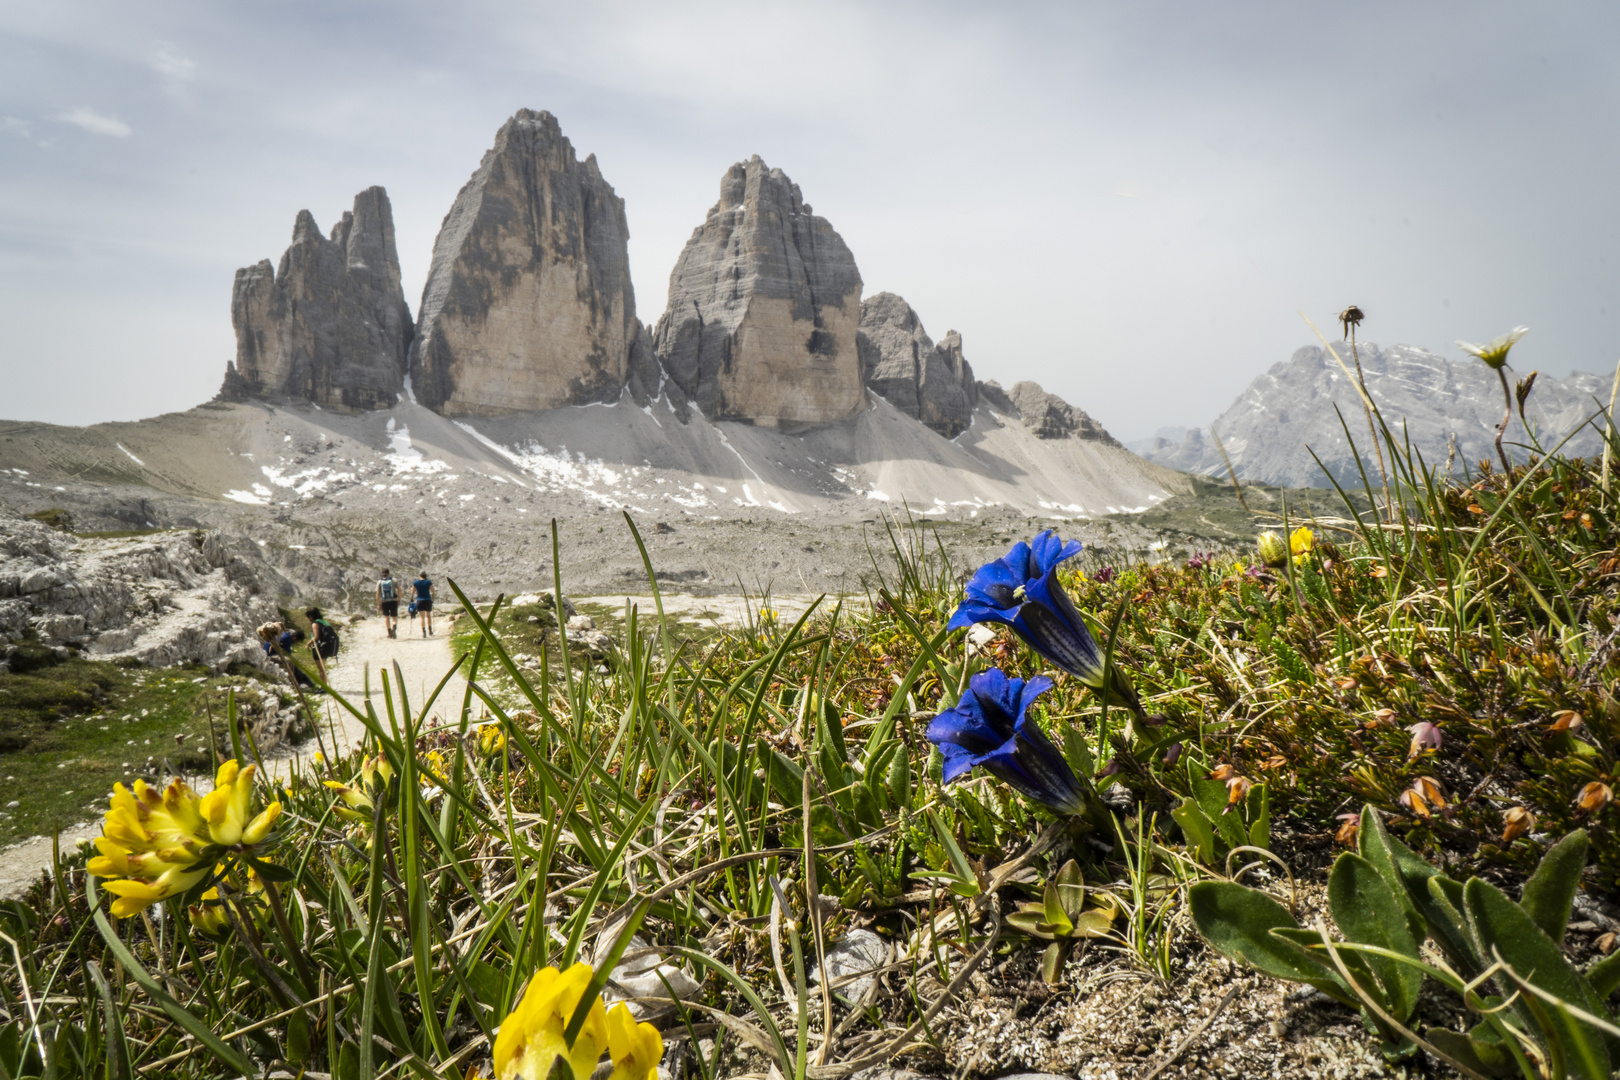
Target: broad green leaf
(1505, 929)
(1093, 922)
(1459, 1046)
(1052, 962)
(1071, 889)
(1401, 869)
(1237, 921)
(1551, 889)
(1196, 827)
(1031, 921)
(1211, 795)
(1604, 975)
(1369, 913)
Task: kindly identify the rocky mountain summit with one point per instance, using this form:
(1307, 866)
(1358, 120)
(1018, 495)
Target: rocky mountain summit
(1285, 414)
(764, 303)
(331, 324)
(161, 599)
(928, 382)
(528, 303)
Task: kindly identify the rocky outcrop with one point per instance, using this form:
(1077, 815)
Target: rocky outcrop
(164, 599)
(764, 305)
(1047, 415)
(932, 383)
(528, 303)
(330, 325)
(1293, 410)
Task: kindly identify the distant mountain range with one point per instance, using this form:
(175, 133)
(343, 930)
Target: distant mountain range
(1271, 430)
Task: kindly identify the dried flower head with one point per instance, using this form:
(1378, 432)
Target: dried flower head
(1516, 822)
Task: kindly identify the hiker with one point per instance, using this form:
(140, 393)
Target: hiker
(289, 638)
(325, 645)
(424, 602)
(388, 601)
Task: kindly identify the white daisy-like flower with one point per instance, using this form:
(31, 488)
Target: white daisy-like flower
(1495, 351)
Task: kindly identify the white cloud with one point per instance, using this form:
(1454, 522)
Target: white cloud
(97, 123)
(16, 125)
(169, 62)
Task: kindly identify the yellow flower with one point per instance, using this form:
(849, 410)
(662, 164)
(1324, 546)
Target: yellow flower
(491, 740)
(1273, 552)
(636, 1049)
(209, 916)
(530, 1039)
(1494, 353)
(156, 846)
(1301, 543)
(357, 795)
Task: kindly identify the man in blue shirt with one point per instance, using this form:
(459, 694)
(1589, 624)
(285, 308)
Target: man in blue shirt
(424, 603)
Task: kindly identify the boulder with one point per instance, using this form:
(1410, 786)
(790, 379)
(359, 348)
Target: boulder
(528, 303)
(932, 383)
(331, 324)
(764, 305)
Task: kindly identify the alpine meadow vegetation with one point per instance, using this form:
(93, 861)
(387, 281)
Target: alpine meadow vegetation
(483, 888)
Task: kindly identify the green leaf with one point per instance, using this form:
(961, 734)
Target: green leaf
(866, 806)
(1551, 889)
(1506, 930)
(1031, 921)
(199, 1030)
(1196, 827)
(1604, 975)
(1071, 889)
(1259, 809)
(1459, 1046)
(1211, 796)
(900, 779)
(1369, 913)
(1052, 962)
(1055, 915)
(1237, 922)
(1078, 752)
(1402, 870)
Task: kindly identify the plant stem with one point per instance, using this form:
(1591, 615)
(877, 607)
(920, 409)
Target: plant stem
(1507, 418)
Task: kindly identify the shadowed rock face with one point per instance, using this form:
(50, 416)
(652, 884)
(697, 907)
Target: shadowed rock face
(764, 303)
(932, 383)
(528, 303)
(330, 325)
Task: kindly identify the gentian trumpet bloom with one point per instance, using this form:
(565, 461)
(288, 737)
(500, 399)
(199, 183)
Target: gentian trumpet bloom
(1021, 590)
(991, 727)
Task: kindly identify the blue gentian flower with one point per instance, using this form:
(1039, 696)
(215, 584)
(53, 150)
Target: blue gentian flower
(990, 727)
(1021, 590)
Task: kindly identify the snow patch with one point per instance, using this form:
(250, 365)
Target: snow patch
(129, 455)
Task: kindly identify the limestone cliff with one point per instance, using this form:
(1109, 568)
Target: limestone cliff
(764, 304)
(932, 383)
(330, 325)
(528, 303)
(1047, 415)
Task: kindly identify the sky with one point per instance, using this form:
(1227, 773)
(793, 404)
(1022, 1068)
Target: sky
(1130, 203)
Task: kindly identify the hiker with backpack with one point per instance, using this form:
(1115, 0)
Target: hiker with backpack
(325, 645)
(388, 602)
(423, 603)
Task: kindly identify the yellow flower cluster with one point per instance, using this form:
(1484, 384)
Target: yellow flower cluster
(154, 846)
(358, 796)
(1274, 552)
(531, 1041)
(491, 740)
(209, 916)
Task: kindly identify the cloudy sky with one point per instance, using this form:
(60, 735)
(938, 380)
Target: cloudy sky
(1129, 202)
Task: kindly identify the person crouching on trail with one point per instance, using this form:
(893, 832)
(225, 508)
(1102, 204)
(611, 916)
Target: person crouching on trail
(388, 602)
(424, 603)
(325, 645)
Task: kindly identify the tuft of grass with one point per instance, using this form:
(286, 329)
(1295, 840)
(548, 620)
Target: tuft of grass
(71, 727)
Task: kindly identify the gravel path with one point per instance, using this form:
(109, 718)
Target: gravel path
(366, 647)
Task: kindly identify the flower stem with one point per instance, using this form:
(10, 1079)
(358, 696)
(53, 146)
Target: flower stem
(1507, 418)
